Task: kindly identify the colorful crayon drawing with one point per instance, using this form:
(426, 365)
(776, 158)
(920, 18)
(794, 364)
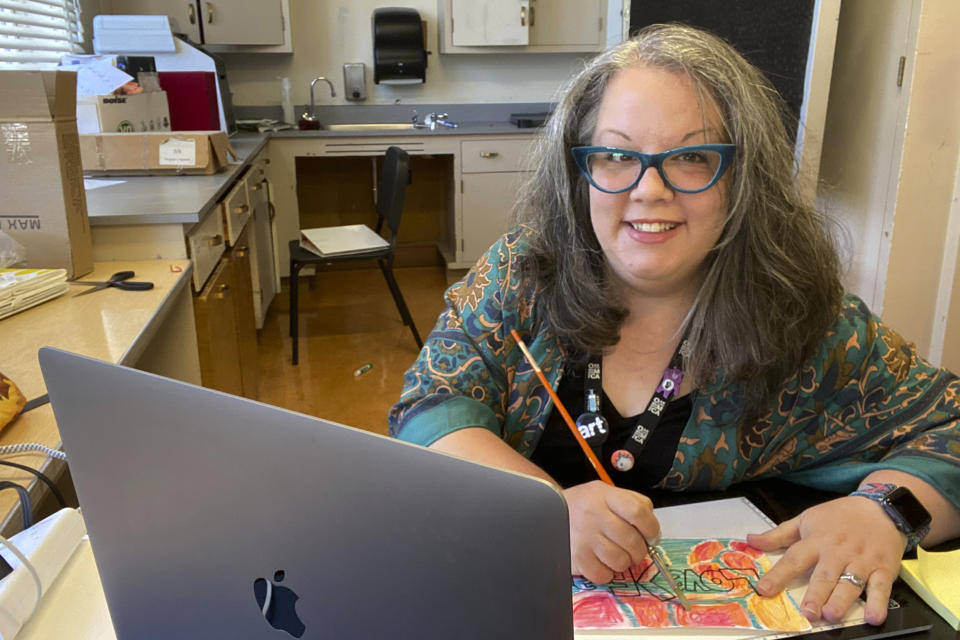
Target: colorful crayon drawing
(717, 577)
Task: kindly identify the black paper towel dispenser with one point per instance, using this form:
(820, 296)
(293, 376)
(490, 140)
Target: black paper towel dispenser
(398, 53)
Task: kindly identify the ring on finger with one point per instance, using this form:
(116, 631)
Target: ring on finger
(853, 579)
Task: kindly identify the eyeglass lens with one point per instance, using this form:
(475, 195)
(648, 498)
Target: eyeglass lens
(689, 170)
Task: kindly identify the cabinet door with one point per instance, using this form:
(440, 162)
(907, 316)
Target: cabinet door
(184, 15)
(489, 22)
(246, 331)
(242, 22)
(261, 241)
(217, 332)
(487, 208)
(566, 22)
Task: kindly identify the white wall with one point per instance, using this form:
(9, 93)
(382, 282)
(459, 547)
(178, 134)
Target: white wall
(328, 33)
(889, 163)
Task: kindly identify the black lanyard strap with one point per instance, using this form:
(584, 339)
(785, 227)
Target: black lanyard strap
(593, 426)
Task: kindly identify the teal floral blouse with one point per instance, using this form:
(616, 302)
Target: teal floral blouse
(864, 401)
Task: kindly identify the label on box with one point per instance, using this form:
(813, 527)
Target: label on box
(178, 152)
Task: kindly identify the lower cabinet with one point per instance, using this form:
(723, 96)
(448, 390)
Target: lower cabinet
(226, 335)
(492, 172)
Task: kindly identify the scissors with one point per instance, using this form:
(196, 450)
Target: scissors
(120, 280)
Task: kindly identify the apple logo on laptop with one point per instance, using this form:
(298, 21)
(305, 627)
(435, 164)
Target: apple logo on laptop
(278, 604)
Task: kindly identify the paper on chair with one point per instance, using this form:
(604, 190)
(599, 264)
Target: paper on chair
(933, 575)
(333, 241)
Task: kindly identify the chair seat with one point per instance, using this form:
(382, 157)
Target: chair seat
(305, 256)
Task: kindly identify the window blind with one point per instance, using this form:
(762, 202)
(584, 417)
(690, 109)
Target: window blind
(35, 33)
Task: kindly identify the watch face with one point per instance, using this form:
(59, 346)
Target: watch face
(913, 514)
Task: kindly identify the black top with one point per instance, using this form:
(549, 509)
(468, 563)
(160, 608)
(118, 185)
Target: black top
(559, 454)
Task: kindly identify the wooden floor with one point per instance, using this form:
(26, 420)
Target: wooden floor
(347, 320)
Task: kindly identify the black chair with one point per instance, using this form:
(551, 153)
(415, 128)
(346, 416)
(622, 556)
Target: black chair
(391, 188)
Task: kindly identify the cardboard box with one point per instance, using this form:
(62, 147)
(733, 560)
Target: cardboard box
(178, 153)
(44, 206)
(147, 111)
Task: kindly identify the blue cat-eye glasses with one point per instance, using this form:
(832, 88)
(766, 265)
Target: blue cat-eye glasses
(685, 169)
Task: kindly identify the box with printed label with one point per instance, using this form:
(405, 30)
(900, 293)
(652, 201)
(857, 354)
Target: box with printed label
(147, 111)
(44, 204)
(175, 153)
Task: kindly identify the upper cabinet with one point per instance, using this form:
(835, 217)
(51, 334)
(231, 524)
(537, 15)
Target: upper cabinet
(221, 25)
(534, 26)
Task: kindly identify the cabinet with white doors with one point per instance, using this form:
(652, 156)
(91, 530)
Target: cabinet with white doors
(492, 171)
(221, 25)
(518, 26)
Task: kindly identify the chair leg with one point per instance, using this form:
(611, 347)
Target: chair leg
(387, 270)
(294, 309)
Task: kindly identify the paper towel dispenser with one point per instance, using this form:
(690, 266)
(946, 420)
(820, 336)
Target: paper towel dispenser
(399, 56)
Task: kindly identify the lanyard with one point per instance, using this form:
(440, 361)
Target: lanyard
(594, 427)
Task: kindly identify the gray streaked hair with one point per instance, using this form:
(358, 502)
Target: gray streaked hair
(772, 282)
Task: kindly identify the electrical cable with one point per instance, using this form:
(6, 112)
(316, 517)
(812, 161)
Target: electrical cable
(26, 507)
(42, 477)
(33, 572)
(29, 447)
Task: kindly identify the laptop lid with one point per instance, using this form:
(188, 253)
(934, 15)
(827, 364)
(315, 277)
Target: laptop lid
(205, 509)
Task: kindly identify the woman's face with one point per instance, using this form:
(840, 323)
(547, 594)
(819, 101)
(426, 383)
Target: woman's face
(656, 239)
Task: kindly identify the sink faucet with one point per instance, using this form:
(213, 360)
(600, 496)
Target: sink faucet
(434, 120)
(309, 119)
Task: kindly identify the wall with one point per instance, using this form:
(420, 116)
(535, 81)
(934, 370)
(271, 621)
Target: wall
(890, 160)
(327, 33)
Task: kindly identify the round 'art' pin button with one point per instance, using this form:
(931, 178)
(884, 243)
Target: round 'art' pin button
(622, 460)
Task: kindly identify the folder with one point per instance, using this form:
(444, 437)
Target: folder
(334, 241)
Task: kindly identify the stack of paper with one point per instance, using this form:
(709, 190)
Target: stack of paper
(23, 288)
(933, 575)
(334, 241)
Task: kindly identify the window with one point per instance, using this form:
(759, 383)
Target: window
(35, 33)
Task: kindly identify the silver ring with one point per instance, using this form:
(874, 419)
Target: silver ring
(853, 579)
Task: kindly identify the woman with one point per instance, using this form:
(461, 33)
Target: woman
(663, 211)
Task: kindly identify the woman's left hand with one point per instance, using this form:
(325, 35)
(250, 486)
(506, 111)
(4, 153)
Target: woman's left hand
(850, 535)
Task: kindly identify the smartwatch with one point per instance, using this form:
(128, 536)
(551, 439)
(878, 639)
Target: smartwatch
(902, 507)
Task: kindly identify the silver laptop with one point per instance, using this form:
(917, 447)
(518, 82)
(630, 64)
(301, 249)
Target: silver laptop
(213, 516)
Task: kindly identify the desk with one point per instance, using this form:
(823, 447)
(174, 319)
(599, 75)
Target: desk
(75, 606)
(151, 330)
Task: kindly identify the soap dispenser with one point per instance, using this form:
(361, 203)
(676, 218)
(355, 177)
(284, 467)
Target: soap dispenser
(355, 81)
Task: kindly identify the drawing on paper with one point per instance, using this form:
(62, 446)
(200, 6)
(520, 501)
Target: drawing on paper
(718, 578)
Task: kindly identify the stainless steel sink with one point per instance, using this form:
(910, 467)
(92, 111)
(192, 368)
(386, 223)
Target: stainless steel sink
(369, 126)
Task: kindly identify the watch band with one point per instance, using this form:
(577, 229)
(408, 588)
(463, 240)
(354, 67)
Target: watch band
(878, 492)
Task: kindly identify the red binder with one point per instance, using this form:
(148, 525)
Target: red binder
(192, 96)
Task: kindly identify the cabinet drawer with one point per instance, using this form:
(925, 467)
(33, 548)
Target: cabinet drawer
(205, 242)
(236, 210)
(482, 156)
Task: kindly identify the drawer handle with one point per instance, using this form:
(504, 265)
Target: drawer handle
(209, 13)
(255, 187)
(489, 154)
(241, 209)
(523, 16)
(241, 252)
(223, 291)
(266, 161)
(192, 13)
(215, 241)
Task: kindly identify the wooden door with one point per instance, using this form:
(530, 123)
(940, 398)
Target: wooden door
(246, 330)
(217, 332)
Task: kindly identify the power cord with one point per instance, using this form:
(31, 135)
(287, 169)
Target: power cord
(28, 447)
(40, 476)
(26, 507)
(33, 573)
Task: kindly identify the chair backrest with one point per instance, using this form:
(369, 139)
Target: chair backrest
(391, 187)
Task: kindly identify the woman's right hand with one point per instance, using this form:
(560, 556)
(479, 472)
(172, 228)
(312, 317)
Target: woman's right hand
(608, 528)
